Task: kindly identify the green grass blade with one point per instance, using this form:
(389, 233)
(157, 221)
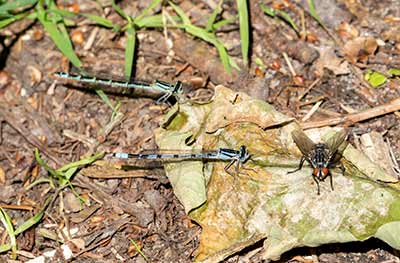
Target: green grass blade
(138, 249)
(102, 21)
(150, 21)
(211, 20)
(119, 10)
(244, 29)
(62, 13)
(130, 51)
(181, 14)
(153, 4)
(268, 10)
(204, 35)
(59, 37)
(6, 220)
(4, 248)
(223, 23)
(12, 5)
(285, 16)
(53, 172)
(33, 220)
(313, 12)
(84, 161)
(7, 21)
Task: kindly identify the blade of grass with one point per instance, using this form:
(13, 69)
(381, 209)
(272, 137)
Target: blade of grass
(106, 100)
(15, 4)
(204, 35)
(33, 220)
(95, 18)
(6, 220)
(53, 172)
(150, 21)
(153, 4)
(313, 12)
(7, 21)
(59, 37)
(102, 21)
(130, 51)
(268, 10)
(84, 161)
(181, 14)
(223, 22)
(4, 248)
(211, 20)
(138, 249)
(285, 16)
(119, 10)
(244, 29)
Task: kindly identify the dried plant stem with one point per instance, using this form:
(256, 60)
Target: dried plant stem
(392, 106)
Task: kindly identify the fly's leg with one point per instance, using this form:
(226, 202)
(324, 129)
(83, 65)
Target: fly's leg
(331, 181)
(341, 167)
(300, 165)
(316, 181)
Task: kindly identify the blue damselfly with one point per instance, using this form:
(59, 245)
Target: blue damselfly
(157, 89)
(222, 154)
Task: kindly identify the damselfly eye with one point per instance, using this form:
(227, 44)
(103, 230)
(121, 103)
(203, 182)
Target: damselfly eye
(325, 171)
(316, 172)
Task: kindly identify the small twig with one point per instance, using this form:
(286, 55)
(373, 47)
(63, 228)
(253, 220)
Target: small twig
(291, 69)
(92, 37)
(392, 106)
(312, 111)
(18, 207)
(309, 88)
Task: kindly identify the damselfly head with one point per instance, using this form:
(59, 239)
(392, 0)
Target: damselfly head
(243, 153)
(178, 88)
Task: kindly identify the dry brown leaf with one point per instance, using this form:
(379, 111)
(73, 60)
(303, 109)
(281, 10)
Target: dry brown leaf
(358, 49)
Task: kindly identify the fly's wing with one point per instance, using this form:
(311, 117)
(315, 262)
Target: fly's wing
(305, 144)
(336, 145)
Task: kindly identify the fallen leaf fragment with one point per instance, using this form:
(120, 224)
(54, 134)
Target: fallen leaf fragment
(263, 201)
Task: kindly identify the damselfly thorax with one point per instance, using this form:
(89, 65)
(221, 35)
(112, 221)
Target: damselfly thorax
(321, 156)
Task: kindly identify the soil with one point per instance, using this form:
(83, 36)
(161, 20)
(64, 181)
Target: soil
(66, 123)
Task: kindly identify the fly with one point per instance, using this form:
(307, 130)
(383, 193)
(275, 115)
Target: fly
(321, 156)
(223, 154)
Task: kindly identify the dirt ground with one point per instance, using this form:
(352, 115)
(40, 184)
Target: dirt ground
(63, 123)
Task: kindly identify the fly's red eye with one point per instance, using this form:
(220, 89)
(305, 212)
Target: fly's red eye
(316, 172)
(325, 171)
